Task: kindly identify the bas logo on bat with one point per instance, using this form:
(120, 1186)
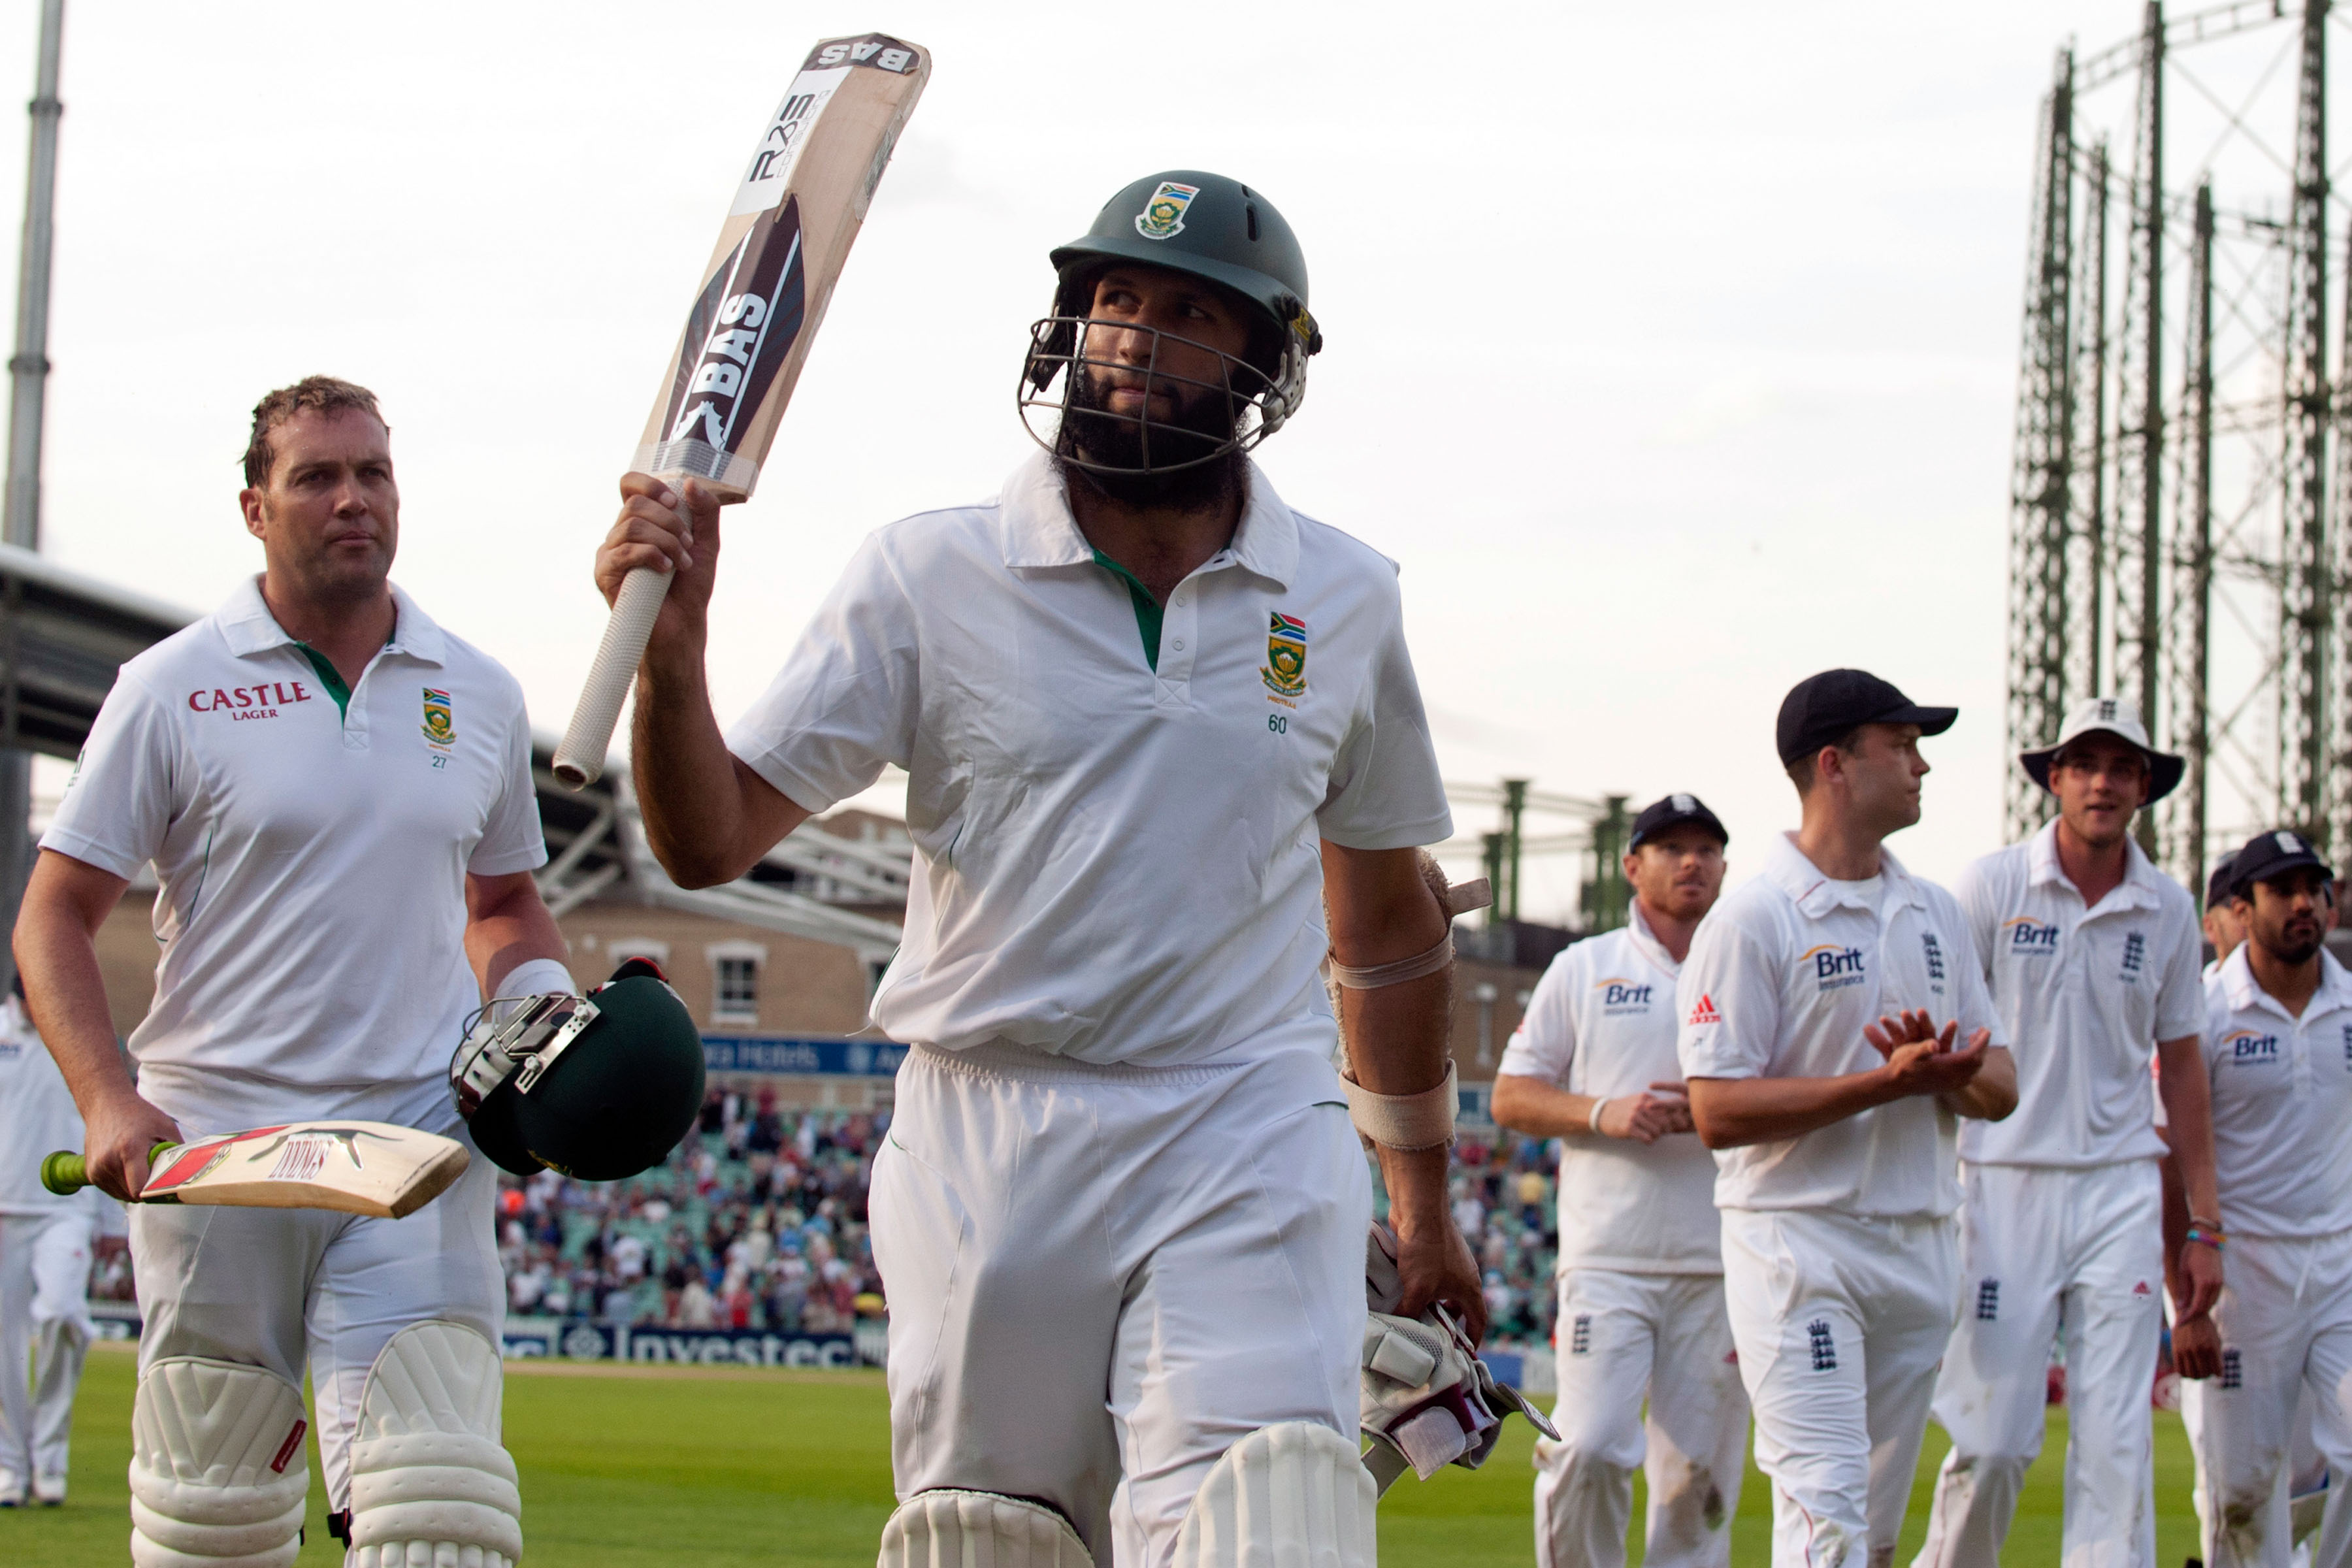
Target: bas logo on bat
(746, 322)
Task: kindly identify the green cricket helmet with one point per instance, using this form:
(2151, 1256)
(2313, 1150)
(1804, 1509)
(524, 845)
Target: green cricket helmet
(1212, 227)
(598, 1087)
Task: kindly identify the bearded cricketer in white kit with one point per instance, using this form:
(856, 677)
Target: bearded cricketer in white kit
(2269, 1371)
(1835, 1030)
(2092, 955)
(1155, 724)
(337, 798)
(1640, 1256)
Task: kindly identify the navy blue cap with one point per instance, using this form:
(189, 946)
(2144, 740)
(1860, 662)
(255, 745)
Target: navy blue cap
(1824, 709)
(2266, 856)
(1670, 811)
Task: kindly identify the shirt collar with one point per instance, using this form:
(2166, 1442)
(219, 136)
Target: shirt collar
(2244, 992)
(248, 628)
(1645, 941)
(2141, 887)
(1816, 895)
(1035, 528)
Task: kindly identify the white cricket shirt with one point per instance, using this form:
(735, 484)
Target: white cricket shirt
(2282, 1091)
(1112, 862)
(312, 861)
(2084, 995)
(1601, 1021)
(1782, 977)
(37, 1118)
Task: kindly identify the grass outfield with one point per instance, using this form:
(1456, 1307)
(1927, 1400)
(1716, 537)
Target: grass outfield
(634, 1469)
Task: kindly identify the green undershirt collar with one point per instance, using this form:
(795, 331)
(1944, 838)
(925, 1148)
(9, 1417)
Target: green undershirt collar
(1147, 610)
(330, 678)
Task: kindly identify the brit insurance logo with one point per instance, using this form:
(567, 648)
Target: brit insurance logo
(1619, 994)
(2250, 1046)
(2029, 937)
(1833, 966)
(440, 723)
(1162, 216)
(1285, 671)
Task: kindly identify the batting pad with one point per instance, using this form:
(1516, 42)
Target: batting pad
(427, 1474)
(949, 1529)
(1294, 1495)
(217, 1473)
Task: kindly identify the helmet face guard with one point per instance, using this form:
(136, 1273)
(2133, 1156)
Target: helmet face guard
(1206, 226)
(1059, 357)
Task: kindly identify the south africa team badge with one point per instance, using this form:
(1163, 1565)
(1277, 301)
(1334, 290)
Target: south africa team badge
(1162, 216)
(1285, 656)
(438, 727)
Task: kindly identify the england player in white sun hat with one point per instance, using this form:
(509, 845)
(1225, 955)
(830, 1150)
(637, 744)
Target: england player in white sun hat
(2277, 1060)
(337, 798)
(1164, 748)
(2092, 956)
(1640, 1262)
(1835, 1029)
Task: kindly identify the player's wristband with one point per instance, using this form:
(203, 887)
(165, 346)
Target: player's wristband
(536, 977)
(2214, 1238)
(1593, 1122)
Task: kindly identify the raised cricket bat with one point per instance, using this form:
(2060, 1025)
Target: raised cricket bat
(764, 291)
(352, 1167)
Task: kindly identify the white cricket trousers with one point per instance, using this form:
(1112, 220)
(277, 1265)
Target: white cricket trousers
(291, 1288)
(2046, 1254)
(1840, 1320)
(2286, 1326)
(44, 1322)
(1622, 1336)
(1100, 1278)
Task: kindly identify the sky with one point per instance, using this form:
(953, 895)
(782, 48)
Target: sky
(1672, 351)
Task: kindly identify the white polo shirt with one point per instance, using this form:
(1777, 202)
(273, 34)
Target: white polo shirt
(1782, 977)
(312, 861)
(2084, 995)
(1112, 862)
(37, 1117)
(1601, 1021)
(2282, 1091)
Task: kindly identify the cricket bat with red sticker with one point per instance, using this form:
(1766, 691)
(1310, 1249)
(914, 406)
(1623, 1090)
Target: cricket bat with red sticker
(352, 1167)
(789, 227)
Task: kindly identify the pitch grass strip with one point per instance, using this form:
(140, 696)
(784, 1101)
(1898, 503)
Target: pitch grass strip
(648, 1468)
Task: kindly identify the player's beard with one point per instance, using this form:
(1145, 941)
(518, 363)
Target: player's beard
(1205, 419)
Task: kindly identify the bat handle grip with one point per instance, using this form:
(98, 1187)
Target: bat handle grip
(65, 1174)
(581, 758)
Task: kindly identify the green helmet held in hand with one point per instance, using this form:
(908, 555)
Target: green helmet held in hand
(598, 1087)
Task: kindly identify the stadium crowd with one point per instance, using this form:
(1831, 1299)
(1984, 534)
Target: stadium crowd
(758, 1221)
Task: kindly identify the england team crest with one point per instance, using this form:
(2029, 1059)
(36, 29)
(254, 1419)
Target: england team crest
(439, 726)
(1162, 216)
(1285, 656)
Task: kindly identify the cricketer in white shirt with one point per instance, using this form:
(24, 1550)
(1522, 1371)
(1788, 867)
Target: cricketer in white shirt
(2281, 1084)
(1640, 1262)
(46, 1244)
(2061, 1230)
(1120, 1156)
(342, 827)
(1834, 1032)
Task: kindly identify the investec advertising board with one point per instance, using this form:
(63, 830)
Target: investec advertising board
(537, 1338)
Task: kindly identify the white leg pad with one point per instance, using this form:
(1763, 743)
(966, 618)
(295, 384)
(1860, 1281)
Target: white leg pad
(430, 1483)
(1294, 1495)
(950, 1529)
(217, 1471)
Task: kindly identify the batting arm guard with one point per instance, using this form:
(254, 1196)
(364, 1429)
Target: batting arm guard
(427, 1472)
(217, 1473)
